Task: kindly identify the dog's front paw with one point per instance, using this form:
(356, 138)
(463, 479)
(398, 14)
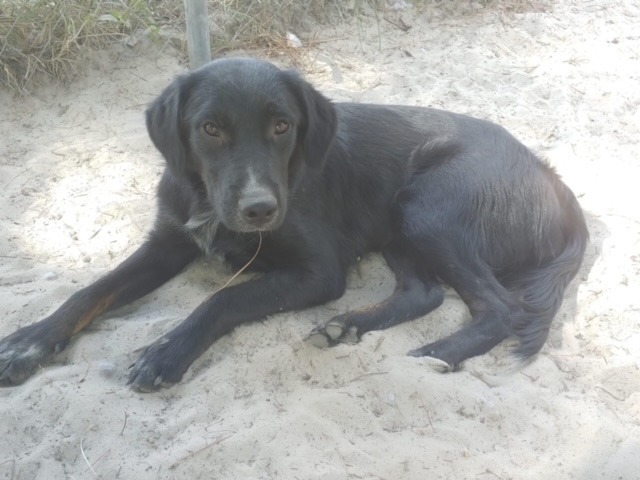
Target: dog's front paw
(23, 352)
(159, 366)
(337, 330)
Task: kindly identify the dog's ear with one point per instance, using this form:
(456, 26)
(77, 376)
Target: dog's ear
(165, 125)
(318, 128)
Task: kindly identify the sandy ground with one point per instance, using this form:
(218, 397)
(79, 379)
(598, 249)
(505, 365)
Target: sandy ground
(77, 181)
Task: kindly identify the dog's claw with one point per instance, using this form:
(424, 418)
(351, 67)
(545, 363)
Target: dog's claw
(438, 365)
(434, 363)
(156, 368)
(145, 379)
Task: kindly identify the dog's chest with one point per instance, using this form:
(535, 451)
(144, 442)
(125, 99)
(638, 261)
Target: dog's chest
(202, 228)
(216, 241)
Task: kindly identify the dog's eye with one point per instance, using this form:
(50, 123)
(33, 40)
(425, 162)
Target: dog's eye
(280, 127)
(211, 129)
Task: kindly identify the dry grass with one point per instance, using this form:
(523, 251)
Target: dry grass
(241, 23)
(54, 38)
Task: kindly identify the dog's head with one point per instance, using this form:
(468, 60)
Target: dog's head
(246, 130)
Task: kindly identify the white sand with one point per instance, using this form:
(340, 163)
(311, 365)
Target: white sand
(77, 181)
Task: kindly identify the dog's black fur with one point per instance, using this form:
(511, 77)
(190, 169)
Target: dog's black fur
(253, 151)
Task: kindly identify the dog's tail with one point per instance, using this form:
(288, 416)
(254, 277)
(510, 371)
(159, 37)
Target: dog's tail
(541, 290)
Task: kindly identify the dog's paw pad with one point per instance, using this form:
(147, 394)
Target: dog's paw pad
(319, 338)
(334, 330)
(332, 333)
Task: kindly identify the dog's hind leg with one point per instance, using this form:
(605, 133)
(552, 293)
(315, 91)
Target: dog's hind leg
(491, 305)
(416, 294)
(475, 339)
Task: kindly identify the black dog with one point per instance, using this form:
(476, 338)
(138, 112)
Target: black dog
(259, 160)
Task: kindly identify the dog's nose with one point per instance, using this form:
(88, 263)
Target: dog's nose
(258, 210)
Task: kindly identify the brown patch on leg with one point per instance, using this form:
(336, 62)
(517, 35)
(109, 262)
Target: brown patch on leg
(100, 307)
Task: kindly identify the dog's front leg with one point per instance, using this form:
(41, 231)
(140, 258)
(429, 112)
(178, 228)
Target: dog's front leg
(164, 362)
(32, 346)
